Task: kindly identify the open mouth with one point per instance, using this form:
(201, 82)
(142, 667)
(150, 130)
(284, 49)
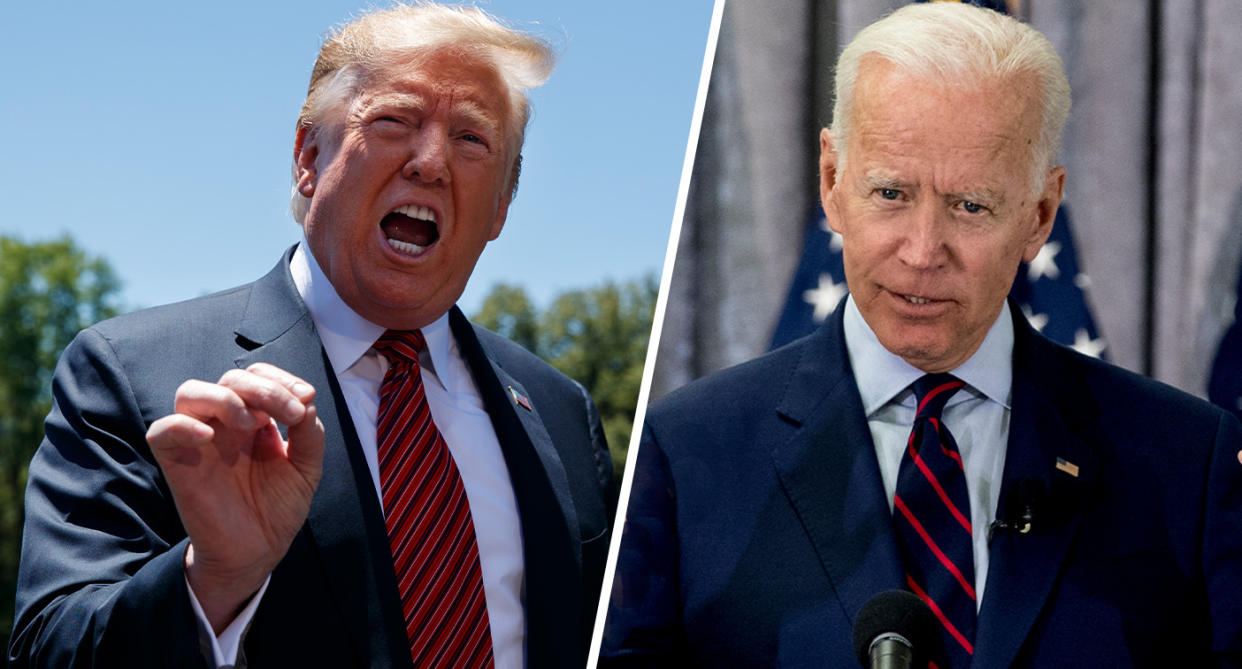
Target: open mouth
(410, 229)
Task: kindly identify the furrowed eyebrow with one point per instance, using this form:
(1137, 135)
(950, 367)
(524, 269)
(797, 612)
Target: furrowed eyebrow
(402, 101)
(474, 114)
(463, 112)
(882, 180)
(988, 197)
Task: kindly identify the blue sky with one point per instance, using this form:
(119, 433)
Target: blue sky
(159, 136)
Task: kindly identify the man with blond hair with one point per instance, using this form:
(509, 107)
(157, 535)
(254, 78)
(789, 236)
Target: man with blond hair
(371, 481)
(1047, 509)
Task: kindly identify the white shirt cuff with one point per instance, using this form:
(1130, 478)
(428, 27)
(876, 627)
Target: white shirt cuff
(224, 647)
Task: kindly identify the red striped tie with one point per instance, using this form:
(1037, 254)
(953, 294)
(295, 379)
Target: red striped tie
(931, 513)
(434, 550)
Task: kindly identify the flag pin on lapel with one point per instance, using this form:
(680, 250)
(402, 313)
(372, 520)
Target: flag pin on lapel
(1067, 467)
(520, 399)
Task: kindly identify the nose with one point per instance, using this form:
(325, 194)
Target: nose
(923, 244)
(428, 159)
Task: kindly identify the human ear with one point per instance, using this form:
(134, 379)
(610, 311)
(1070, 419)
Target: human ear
(828, 164)
(1045, 212)
(305, 153)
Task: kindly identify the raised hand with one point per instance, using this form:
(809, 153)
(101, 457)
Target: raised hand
(241, 490)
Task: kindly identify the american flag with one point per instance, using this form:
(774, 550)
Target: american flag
(1050, 290)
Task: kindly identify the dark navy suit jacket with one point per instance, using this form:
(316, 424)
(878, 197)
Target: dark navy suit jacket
(758, 523)
(101, 578)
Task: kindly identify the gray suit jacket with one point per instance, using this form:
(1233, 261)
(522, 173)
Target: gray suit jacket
(101, 579)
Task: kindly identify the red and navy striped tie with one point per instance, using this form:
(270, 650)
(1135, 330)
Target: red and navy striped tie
(434, 550)
(931, 513)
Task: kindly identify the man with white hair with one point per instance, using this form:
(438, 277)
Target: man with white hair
(372, 481)
(1048, 509)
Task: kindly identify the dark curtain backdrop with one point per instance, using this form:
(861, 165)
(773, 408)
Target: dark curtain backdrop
(1153, 150)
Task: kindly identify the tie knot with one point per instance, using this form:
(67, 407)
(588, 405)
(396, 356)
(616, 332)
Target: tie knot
(932, 392)
(401, 346)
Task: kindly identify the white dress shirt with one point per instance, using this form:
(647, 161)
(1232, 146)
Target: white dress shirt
(977, 415)
(457, 408)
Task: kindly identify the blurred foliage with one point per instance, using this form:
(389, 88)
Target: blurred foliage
(597, 336)
(507, 311)
(48, 292)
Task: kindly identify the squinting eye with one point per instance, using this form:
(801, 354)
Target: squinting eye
(890, 193)
(388, 124)
(971, 207)
(472, 138)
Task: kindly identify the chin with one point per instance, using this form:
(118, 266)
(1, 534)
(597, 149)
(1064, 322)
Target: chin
(917, 352)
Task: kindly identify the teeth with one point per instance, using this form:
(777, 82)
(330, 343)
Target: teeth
(415, 211)
(406, 247)
(916, 300)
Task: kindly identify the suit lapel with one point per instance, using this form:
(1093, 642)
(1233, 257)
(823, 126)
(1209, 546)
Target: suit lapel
(550, 534)
(1050, 414)
(277, 329)
(829, 472)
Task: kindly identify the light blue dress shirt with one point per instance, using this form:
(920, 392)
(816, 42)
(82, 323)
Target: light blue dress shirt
(977, 415)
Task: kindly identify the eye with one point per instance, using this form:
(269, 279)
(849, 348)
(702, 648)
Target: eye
(388, 126)
(889, 193)
(474, 143)
(972, 207)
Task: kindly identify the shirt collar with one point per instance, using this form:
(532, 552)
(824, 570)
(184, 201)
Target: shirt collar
(882, 376)
(346, 336)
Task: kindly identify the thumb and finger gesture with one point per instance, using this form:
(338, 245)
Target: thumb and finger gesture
(242, 490)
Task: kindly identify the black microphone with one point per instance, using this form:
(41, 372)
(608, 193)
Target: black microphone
(1023, 510)
(895, 630)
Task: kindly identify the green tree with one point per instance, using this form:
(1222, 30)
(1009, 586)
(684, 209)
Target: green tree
(48, 292)
(507, 311)
(596, 336)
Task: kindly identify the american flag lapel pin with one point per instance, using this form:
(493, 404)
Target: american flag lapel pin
(520, 399)
(1067, 467)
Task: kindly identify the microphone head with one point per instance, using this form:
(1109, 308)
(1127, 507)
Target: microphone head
(897, 612)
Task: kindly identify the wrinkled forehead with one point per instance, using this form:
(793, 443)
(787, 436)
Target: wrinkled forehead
(461, 67)
(463, 77)
(467, 83)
